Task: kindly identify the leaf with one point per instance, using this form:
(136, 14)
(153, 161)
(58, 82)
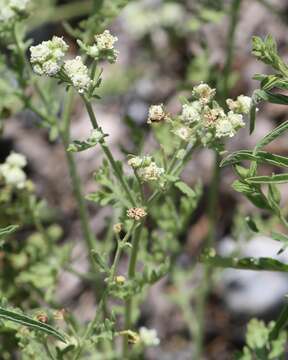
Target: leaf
(246, 263)
(279, 130)
(29, 322)
(96, 137)
(100, 261)
(272, 179)
(251, 223)
(8, 230)
(272, 98)
(185, 189)
(260, 156)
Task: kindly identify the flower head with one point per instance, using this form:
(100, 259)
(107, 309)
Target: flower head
(136, 213)
(46, 58)
(77, 72)
(152, 172)
(204, 93)
(191, 112)
(137, 161)
(224, 128)
(12, 170)
(183, 133)
(105, 41)
(241, 105)
(17, 160)
(156, 114)
(12, 11)
(148, 337)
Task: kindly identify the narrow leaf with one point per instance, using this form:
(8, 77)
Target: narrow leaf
(273, 179)
(29, 322)
(7, 230)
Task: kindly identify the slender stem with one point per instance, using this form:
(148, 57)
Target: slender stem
(107, 152)
(76, 183)
(131, 275)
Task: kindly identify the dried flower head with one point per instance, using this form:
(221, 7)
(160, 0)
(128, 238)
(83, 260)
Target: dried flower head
(211, 116)
(157, 114)
(241, 105)
(43, 317)
(136, 213)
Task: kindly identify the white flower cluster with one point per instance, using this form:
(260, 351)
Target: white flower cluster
(78, 73)
(12, 170)
(147, 169)
(204, 120)
(148, 337)
(241, 105)
(103, 49)
(46, 58)
(13, 10)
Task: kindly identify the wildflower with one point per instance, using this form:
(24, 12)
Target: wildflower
(13, 11)
(117, 228)
(59, 314)
(42, 317)
(210, 116)
(236, 120)
(120, 280)
(151, 172)
(191, 112)
(77, 72)
(148, 337)
(136, 213)
(137, 161)
(11, 171)
(224, 128)
(15, 159)
(183, 133)
(156, 114)
(241, 105)
(204, 93)
(105, 41)
(46, 58)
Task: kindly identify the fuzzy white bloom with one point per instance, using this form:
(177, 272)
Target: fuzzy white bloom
(236, 120)
(156, 114)
(148, 337)
(12, 10)
(204, 93)
(191, 112)
(6, 14)
(78, 73)
(105, 41)
(13, 175)
(46, 58)
(241, 105)
(183, 133)
(17, 160)
(151, 172)
(211, 116)
(224, 128)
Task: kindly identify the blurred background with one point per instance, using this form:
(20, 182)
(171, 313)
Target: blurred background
(165, 48)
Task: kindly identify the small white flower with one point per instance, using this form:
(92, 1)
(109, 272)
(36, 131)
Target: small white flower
(46, 58)
(211, 116)
(148, 337)
(13, 175)
(137, 161)
(241, 105)
(105, 41)
(6, 14)
(17, 160)
(224, 128)
(236, 120)
(151, 172)
(183, 133)
(204, 93)
(191, 113)
(78, 73)
(156, 114)
(19, 5)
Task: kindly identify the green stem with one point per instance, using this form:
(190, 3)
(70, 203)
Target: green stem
(107, 152)
(131, 275)
(76, 183)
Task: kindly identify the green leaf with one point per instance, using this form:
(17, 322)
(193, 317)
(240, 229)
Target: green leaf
(100, 261)
(4, 232)
(251, 223)
(273, 179)
(274, 134)
(29, 322)
(185, 189)
(246, 263)
(96, 137)
(272, 98)
(260, 157)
